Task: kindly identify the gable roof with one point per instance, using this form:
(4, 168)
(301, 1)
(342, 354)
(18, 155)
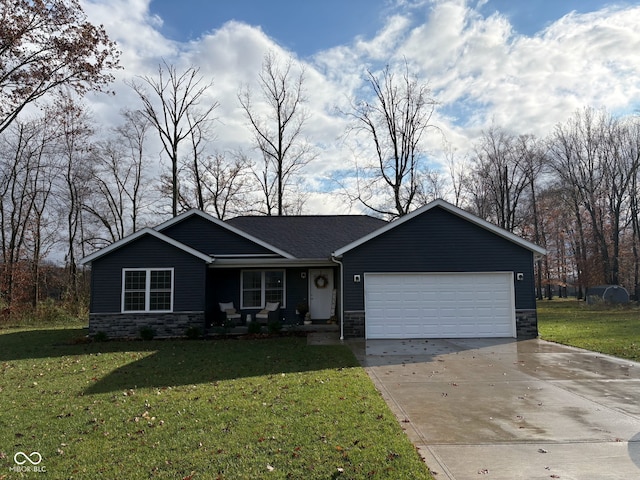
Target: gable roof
(226, 225)
(140, 233)
(308, 236)
(452, 209)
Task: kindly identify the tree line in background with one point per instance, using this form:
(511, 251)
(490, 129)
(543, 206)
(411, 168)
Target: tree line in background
(575, 193)
(68, 188)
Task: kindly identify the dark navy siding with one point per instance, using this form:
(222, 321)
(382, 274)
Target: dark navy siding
(438, 241)
(147, 252)
(297, 291)
(211, 239)
(224, 286)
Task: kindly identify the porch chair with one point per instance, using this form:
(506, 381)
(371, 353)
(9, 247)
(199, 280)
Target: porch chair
(269, 313)
(231, 314)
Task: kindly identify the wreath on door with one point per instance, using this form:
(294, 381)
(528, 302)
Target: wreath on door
(321, 281)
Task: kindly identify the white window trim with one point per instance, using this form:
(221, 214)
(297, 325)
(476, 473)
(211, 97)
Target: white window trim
(147, 289)
(262, 288)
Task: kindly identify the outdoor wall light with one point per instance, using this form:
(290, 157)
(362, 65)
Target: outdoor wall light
(356, 279)
(519, 276)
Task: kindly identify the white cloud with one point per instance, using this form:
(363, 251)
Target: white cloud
(383, 43)
(527, 83)
(480, 69)
(135, 30)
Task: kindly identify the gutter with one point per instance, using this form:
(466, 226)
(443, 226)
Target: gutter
(335, 259)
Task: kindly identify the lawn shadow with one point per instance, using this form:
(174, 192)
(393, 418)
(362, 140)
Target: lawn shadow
(22, 344)
(170, 363)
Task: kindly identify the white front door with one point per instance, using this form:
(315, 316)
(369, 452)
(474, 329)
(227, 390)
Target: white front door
(320, 293)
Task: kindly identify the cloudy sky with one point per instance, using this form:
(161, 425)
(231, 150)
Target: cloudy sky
(525, 66)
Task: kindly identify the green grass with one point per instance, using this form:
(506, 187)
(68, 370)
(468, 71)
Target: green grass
(606, 329)
(233, 409)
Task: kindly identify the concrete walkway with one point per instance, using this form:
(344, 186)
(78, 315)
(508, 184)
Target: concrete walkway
(501, 409)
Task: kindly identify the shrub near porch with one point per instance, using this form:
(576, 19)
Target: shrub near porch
(212, 409)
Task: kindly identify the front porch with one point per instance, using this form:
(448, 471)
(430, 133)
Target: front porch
(299, 289)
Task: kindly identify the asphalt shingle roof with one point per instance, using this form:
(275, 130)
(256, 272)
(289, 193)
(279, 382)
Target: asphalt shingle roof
(308, 236)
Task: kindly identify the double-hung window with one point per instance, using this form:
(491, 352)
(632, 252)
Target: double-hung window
(262, 286)
(147, 290)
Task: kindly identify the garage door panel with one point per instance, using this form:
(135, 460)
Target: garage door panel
(443, 305)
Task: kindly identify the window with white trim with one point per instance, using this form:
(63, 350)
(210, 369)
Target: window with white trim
(147, 290)
(261, 286)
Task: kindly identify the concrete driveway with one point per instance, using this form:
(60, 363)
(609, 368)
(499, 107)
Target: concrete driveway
(503, 409)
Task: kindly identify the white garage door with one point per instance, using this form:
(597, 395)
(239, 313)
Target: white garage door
(439, 305)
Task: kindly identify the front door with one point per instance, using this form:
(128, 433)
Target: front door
(320, 293)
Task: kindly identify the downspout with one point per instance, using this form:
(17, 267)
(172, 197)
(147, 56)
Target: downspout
(335, 259)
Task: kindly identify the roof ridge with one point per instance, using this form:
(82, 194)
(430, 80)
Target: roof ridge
(364, 215)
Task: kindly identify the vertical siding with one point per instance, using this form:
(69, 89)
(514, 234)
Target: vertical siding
(438, 241)
(148, 252)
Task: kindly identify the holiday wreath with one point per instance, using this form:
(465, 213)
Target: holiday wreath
(321, 281)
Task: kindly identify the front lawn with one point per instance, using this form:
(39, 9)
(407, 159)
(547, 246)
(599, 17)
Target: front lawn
(614, 330)
(232, 409)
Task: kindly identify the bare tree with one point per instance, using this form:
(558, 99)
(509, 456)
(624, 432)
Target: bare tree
(557, 234)
(596, 158)
(395, 121)
(24, 191)
(106, 204)
(456, 168)
(278, 132)
(43, 225)
(478, 194)
(502, 165)
(198, 140)
(173, 107)
(226, 185)
(575, 151)
(532, 158)
(75, 131)
(134, 132)
(117, 180)
(621, 162)
(46, 44)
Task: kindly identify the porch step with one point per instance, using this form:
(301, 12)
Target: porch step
(324, 338)
(315, 327)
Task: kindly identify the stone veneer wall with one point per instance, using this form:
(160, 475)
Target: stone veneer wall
(128, 325)
(526, 324)
(353, 324)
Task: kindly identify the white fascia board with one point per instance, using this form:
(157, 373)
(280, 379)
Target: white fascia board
(456, 211)
(220, 223)
(134, 236)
